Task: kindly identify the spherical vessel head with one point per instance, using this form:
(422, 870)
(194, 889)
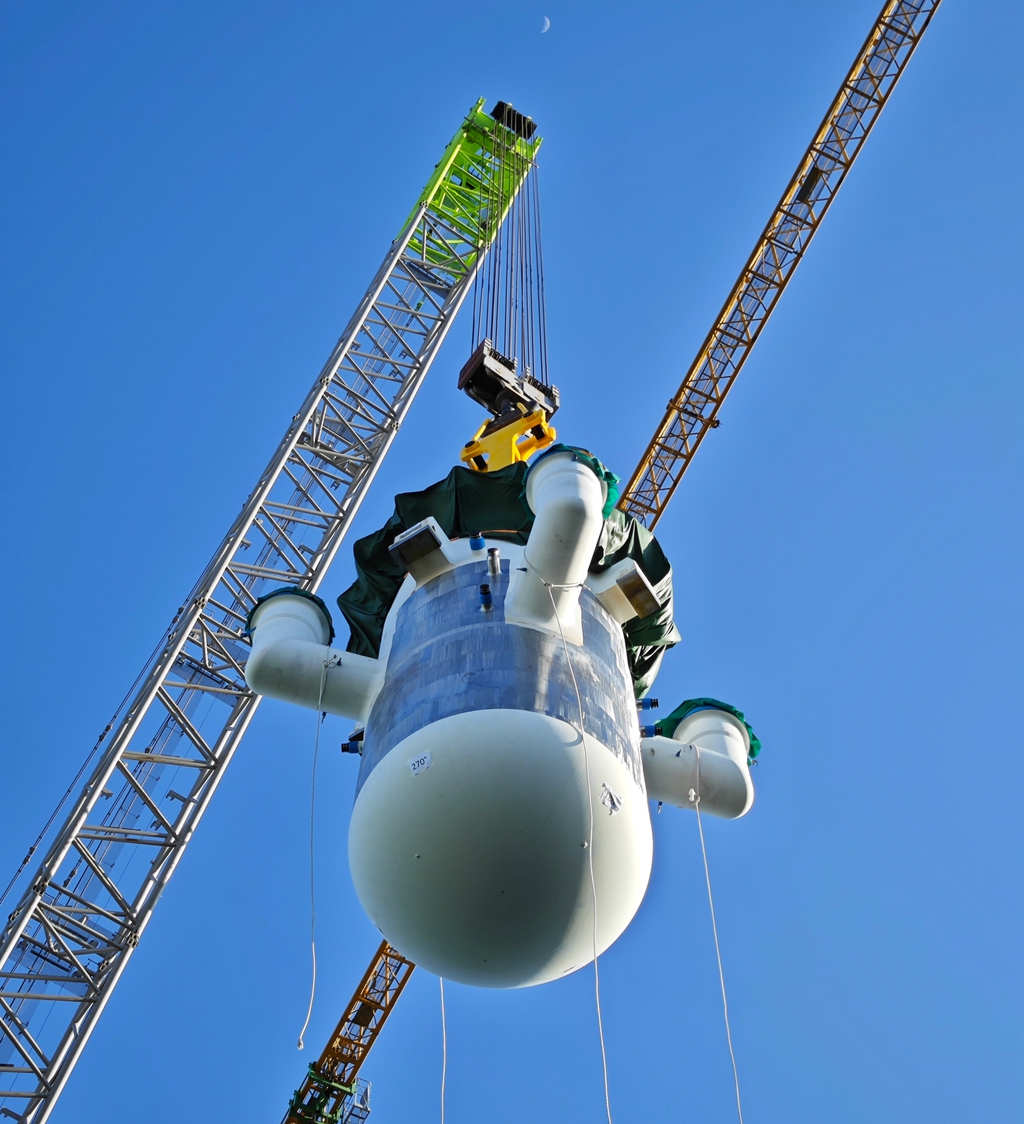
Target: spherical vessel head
(471, 846)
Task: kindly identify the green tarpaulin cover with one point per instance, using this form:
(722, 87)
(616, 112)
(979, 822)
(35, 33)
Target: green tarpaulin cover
(493, 503)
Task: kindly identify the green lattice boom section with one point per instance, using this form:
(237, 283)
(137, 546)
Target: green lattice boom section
(472, 188)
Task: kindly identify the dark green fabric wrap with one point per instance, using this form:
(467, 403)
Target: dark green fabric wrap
(463, 503)
(493, 503)
(647, 638)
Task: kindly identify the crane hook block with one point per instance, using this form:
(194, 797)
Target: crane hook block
(520, 406)
(491, 380)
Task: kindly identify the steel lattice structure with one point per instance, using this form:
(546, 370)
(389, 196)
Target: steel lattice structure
(694, 409)
(68, 940)
(329, 1092)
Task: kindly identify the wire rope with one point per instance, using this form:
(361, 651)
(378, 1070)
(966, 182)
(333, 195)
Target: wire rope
(542, 316)
(695, 800)
(312, 881)
(508, 289)
(498, 234)
(590, 842)
(510, 256)
(444, 1046)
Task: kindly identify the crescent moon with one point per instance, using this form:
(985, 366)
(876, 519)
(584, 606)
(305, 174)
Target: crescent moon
(547, 24)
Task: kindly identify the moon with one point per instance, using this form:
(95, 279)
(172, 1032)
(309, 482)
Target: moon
(547, 24)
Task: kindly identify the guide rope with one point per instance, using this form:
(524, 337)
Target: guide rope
(301, 1045)
(444, 1046)
(695, 800)
(590, 841)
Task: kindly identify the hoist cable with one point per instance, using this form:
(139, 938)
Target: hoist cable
(508, 290)
(499, 233)
(542, 315)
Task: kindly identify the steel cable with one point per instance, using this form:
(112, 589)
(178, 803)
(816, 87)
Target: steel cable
(508, 291)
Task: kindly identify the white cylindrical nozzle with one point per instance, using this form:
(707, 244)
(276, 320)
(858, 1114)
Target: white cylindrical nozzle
(288, 616)
(567, 498)
(706, 756)
(291, 661)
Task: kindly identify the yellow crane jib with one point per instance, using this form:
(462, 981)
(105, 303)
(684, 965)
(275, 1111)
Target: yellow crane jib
(693, 411)
(332, 1090)
(521, 408)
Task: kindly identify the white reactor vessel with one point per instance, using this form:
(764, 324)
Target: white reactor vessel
(504, 780)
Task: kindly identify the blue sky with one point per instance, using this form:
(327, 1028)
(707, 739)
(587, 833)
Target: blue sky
(194, 197)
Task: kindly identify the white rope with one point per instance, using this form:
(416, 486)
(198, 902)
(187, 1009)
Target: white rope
(695, 799)
(590, 849)
(312, 884)
(444, 1047)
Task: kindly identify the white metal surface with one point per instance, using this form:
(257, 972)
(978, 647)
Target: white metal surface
(291, 661)
(566, 497)
(467, 848)
(706, 756)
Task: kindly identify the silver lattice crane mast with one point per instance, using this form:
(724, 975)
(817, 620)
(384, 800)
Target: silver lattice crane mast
(70, 936)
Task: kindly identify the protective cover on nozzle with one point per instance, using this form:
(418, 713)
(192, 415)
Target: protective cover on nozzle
(292, 591)
(599, 468)
(493, 503)
(668, 725)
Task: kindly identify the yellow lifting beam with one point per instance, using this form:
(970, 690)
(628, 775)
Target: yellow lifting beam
(497, 446)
